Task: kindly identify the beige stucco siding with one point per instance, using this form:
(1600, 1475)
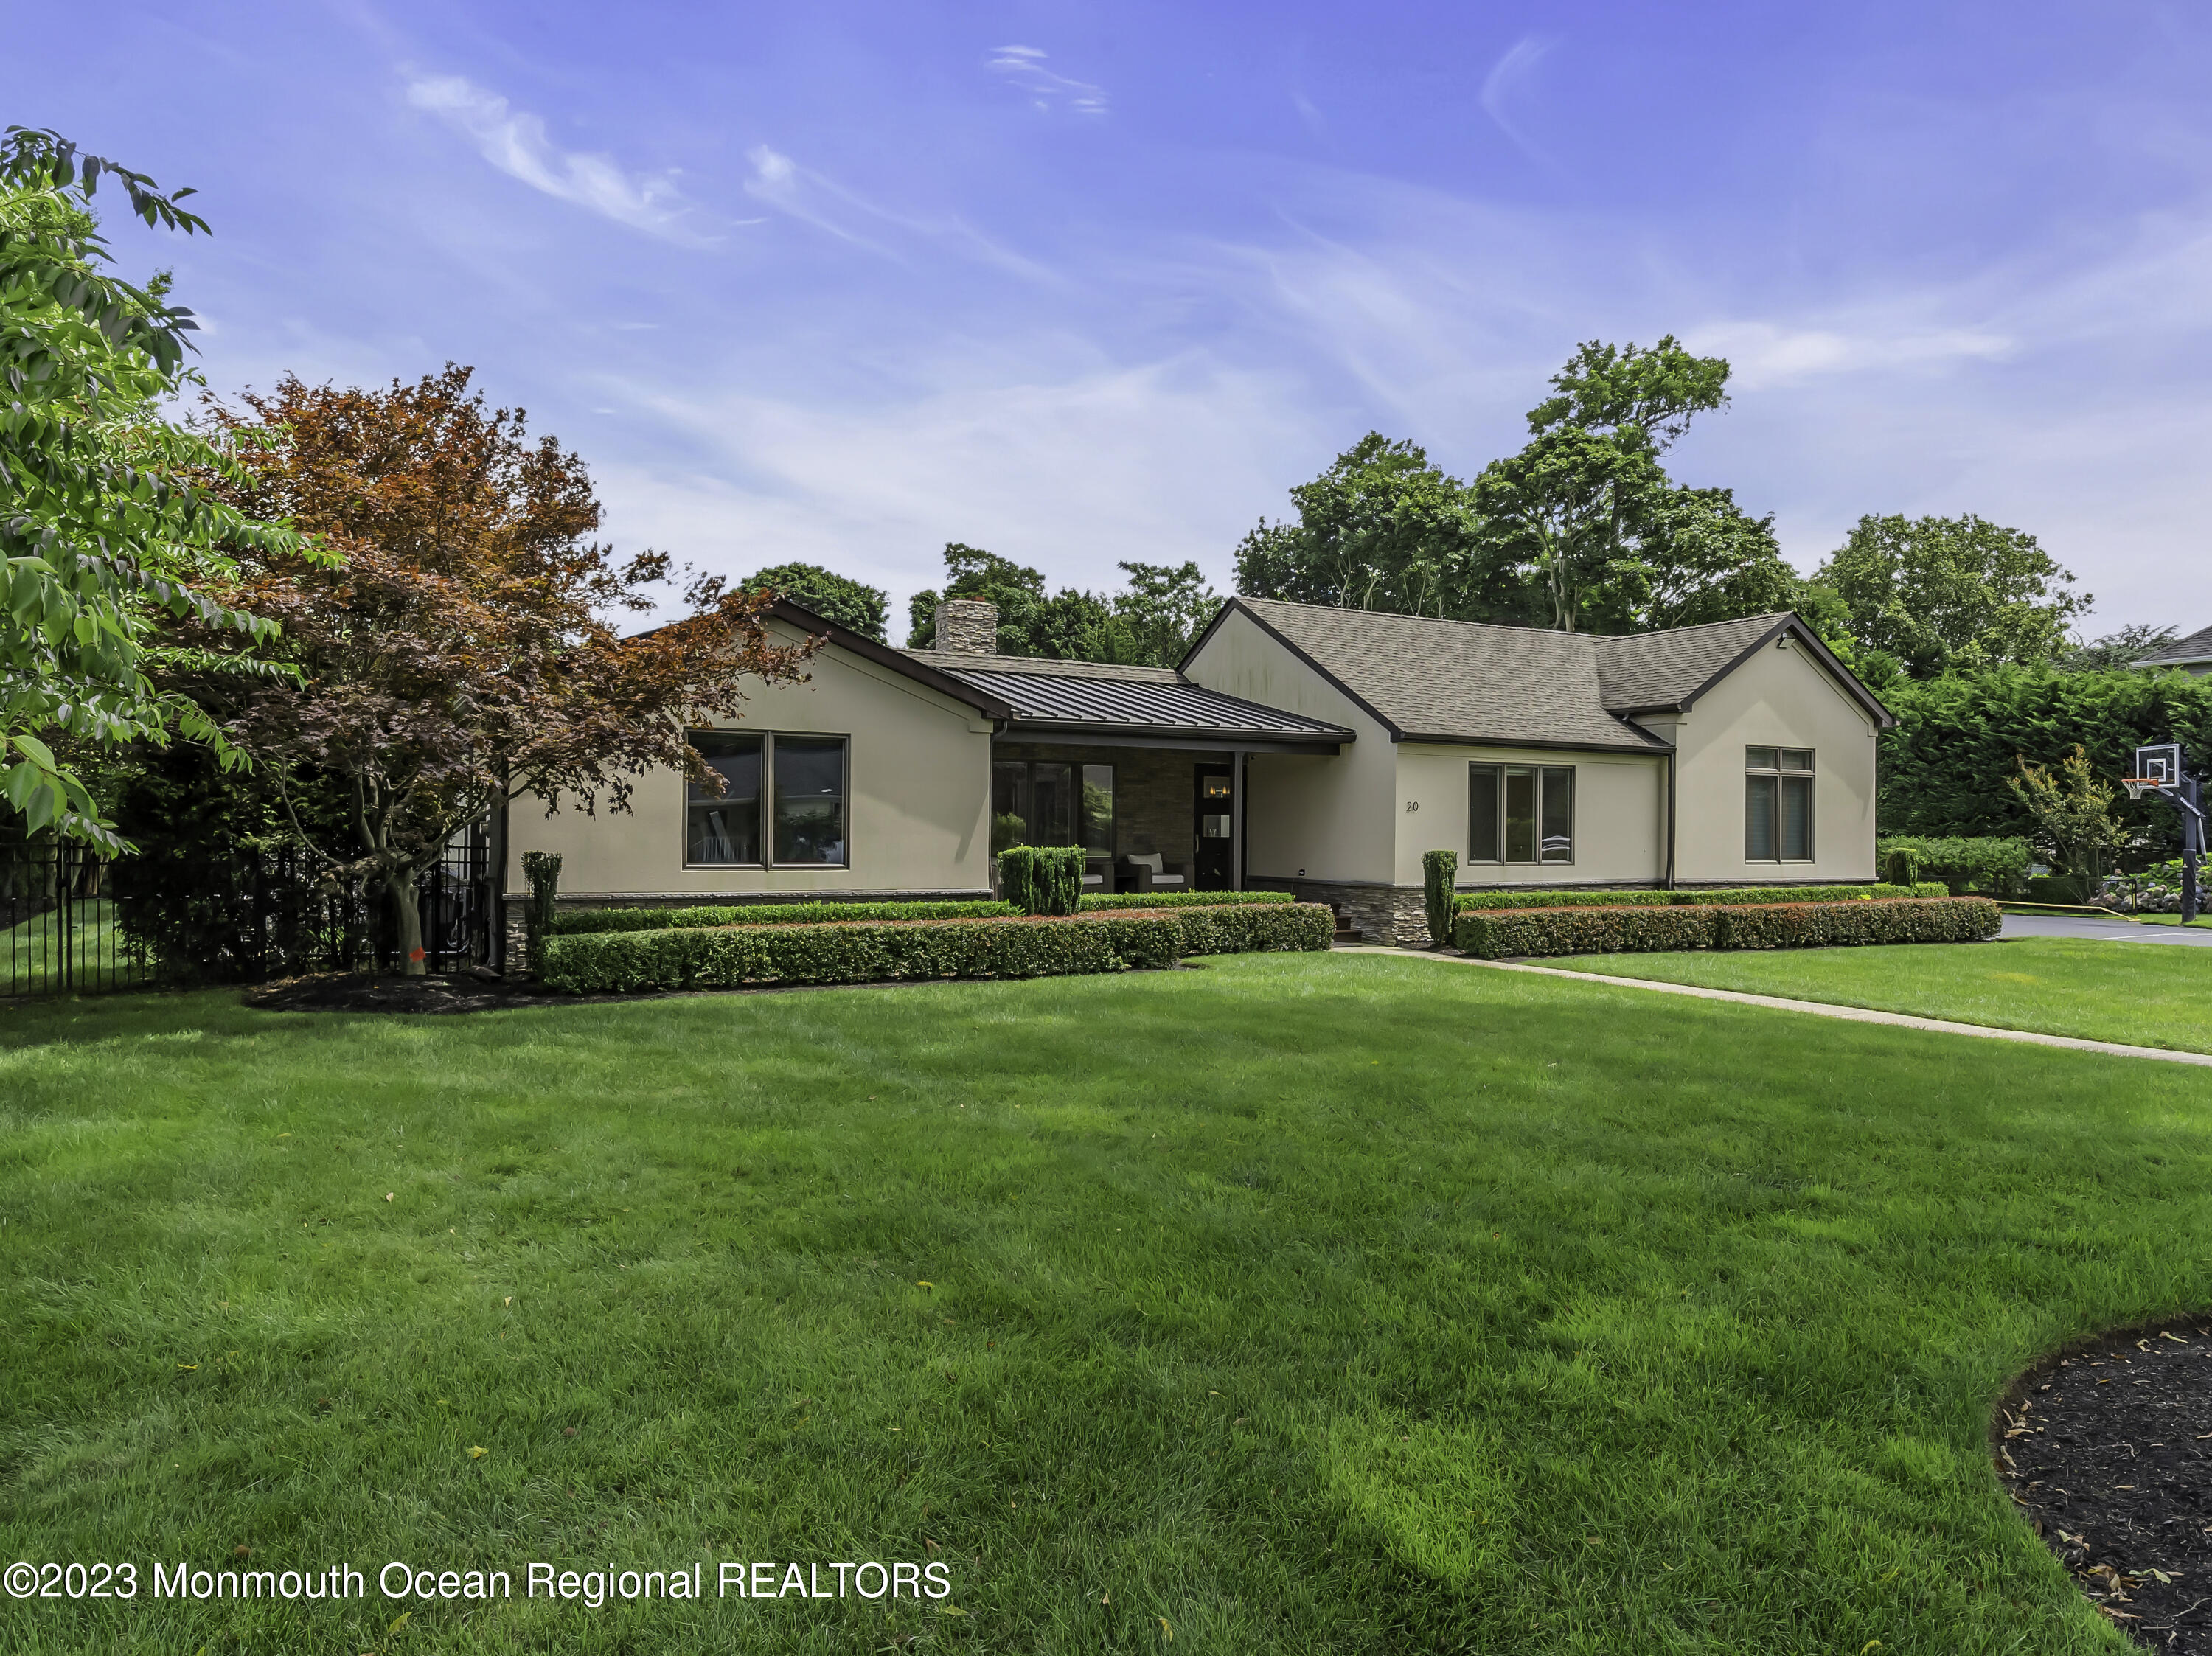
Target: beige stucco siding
(1620, 809)
(1328, 816)
(919, 781)
(1781, 697)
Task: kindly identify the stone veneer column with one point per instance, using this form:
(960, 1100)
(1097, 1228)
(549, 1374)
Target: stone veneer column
(969, 627)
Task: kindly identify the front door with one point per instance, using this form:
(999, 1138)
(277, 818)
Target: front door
(1216, 823)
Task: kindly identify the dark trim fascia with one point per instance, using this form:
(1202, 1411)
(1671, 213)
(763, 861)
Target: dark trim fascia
(1121, 736)
(1790, 624)
(883, 656)
(1654, 749)
(1260, 621)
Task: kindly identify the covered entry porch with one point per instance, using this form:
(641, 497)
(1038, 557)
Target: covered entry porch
(1137, 765)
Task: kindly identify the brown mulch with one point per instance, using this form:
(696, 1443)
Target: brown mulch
(2108, 1450)
(365, 992)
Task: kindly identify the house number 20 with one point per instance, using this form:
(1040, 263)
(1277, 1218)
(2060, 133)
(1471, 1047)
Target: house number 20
(1412, 804)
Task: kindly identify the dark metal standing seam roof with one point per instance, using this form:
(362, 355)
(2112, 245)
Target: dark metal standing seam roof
(1051, 697)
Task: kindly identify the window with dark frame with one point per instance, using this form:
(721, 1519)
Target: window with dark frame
(1052, 802)
(1521, 814)
(783, 796)
(1778, 804)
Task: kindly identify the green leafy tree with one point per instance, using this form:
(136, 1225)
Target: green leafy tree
(1942, 769)
(1568, 512)
(105, 523)
(2122, 648)
(1164, 607)
(865, 610)
(2074, 810)
(1150, 624)
(1944, 593)
(1615, 390)
(1381, 529)
(1713, 562)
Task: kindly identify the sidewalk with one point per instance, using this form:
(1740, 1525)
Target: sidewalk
(1817, 1008)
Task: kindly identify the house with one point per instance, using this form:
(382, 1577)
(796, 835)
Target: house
(2192, 654)
(1301, 748)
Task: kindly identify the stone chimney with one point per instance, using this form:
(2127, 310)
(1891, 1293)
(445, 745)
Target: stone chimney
(969, 627)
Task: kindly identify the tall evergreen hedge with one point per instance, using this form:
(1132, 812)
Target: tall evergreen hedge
(1942, 769)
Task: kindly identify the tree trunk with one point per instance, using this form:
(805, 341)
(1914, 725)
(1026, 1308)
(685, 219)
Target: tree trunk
(407, 922)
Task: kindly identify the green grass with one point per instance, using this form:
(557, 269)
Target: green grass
(31, 955)
(1296, 1304)
(2139, 994)
(2171, 919)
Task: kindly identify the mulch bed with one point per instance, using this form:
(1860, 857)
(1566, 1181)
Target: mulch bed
(2108, 1450)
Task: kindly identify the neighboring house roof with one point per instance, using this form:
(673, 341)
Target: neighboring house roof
(1062, 700)
(2189, 652)
(1426, 680)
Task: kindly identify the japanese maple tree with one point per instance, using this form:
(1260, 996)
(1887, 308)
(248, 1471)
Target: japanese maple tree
(465, 652)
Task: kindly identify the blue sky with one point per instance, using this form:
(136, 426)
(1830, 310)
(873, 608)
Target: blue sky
(1080, 283)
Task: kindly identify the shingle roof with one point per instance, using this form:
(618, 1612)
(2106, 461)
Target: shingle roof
(1458, 680)
(2197, 646)
(1072, 697)
(1641, 672)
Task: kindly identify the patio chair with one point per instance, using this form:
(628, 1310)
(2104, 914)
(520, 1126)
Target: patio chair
(1152, 872)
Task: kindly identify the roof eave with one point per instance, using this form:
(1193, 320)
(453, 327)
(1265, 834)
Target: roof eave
(1237, 603)
(1826, 657)
(1468, 739)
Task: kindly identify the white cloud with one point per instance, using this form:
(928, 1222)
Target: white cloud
(1763, 355)
(515, 141)
(1024, 67)
(1508, 84)
(813, 199)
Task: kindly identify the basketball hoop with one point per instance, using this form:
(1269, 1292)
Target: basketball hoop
(2139, 785)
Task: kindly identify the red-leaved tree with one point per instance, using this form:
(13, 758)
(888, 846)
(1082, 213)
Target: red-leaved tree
(464, 652)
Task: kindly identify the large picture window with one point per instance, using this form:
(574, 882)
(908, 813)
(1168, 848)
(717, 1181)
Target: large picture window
(783, 798)
(1778, 804)
(1050, 802)
(1520, 812)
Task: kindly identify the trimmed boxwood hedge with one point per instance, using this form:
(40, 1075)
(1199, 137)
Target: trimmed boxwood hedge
(1750, 894)
(576, 922)
(1099, 901)
(1631, 929)
(731, 957)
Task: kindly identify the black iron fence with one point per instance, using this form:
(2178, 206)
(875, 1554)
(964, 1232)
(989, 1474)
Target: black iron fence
(74, 922)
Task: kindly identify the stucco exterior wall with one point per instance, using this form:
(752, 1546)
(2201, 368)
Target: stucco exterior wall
(1327, 817)
(919, 796)
(1620, 815)
(1779, 698)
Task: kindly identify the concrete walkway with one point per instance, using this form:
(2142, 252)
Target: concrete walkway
(1817, 1008)
(2088, 925)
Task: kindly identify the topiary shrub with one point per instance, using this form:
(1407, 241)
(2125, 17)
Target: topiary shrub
(1041, 879)
(1900, 865)
(1439, 872)
(543, 869)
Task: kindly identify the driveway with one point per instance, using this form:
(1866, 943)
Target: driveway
(2082, 925)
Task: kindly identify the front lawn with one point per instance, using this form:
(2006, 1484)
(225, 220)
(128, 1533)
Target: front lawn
(1293, 1303)
(2140, 994)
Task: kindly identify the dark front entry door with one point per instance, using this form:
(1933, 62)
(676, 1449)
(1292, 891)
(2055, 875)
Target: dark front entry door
(1216, 819)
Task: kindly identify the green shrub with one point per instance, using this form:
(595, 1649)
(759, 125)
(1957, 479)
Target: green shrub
(543, 869)
(578, 921)
(729, 957)
(1252, 928)
(2062, 888)
(1439, 871)
(1468, 900)
(1476, 900)
(1812, 893)
(1630, 929)
(1134, 900)
(1041, 879)
(1900, 865)
(1995, 864)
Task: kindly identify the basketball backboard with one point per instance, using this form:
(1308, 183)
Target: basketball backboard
(2161, 764)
